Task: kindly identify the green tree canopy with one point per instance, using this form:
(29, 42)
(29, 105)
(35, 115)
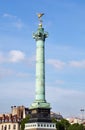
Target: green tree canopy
(76, 126)
(25, 120)
(63, 124)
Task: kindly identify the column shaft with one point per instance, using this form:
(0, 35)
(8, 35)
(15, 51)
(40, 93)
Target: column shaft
(40, 71)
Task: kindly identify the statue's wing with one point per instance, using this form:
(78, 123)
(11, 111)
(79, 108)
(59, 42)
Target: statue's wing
(40, 15)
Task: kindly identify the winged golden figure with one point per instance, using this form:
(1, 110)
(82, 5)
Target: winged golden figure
(40, 15)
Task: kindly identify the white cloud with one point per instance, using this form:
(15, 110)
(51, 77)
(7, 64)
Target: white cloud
(61, 64)
(9, 15)
(12, 56)
(7, 72)
(78, 64)
(16, 56)
(15, 21)
(56, 63)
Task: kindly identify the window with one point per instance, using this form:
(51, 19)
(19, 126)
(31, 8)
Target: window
(47, 125)
(38, 124)
(14, 126)
(44, 125)
(5, 128)
(9, 127)
(53, 126)
(2, 127)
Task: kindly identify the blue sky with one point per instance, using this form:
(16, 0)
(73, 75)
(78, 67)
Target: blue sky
(64, 53)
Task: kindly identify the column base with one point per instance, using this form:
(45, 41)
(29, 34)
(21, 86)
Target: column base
(39, 104)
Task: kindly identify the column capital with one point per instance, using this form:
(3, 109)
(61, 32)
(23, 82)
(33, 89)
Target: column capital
(40, 34)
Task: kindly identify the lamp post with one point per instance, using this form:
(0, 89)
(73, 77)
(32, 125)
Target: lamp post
(82, 114)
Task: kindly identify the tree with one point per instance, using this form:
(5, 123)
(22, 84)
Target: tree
(62, 124)
(59, 126)
(25, 120)
(65, 123)
(76, 126)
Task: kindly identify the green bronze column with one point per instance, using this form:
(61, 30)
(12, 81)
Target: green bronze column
(39, 37)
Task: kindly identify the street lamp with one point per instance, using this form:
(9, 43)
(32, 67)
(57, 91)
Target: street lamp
(82, 112)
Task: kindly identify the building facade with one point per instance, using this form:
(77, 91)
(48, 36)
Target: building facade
(10, 126)
(12, 120)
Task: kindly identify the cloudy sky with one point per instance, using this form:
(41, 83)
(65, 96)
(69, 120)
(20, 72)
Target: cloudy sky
(64, 20)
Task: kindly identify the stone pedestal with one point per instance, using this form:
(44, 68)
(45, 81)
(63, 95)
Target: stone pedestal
(40, 115)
